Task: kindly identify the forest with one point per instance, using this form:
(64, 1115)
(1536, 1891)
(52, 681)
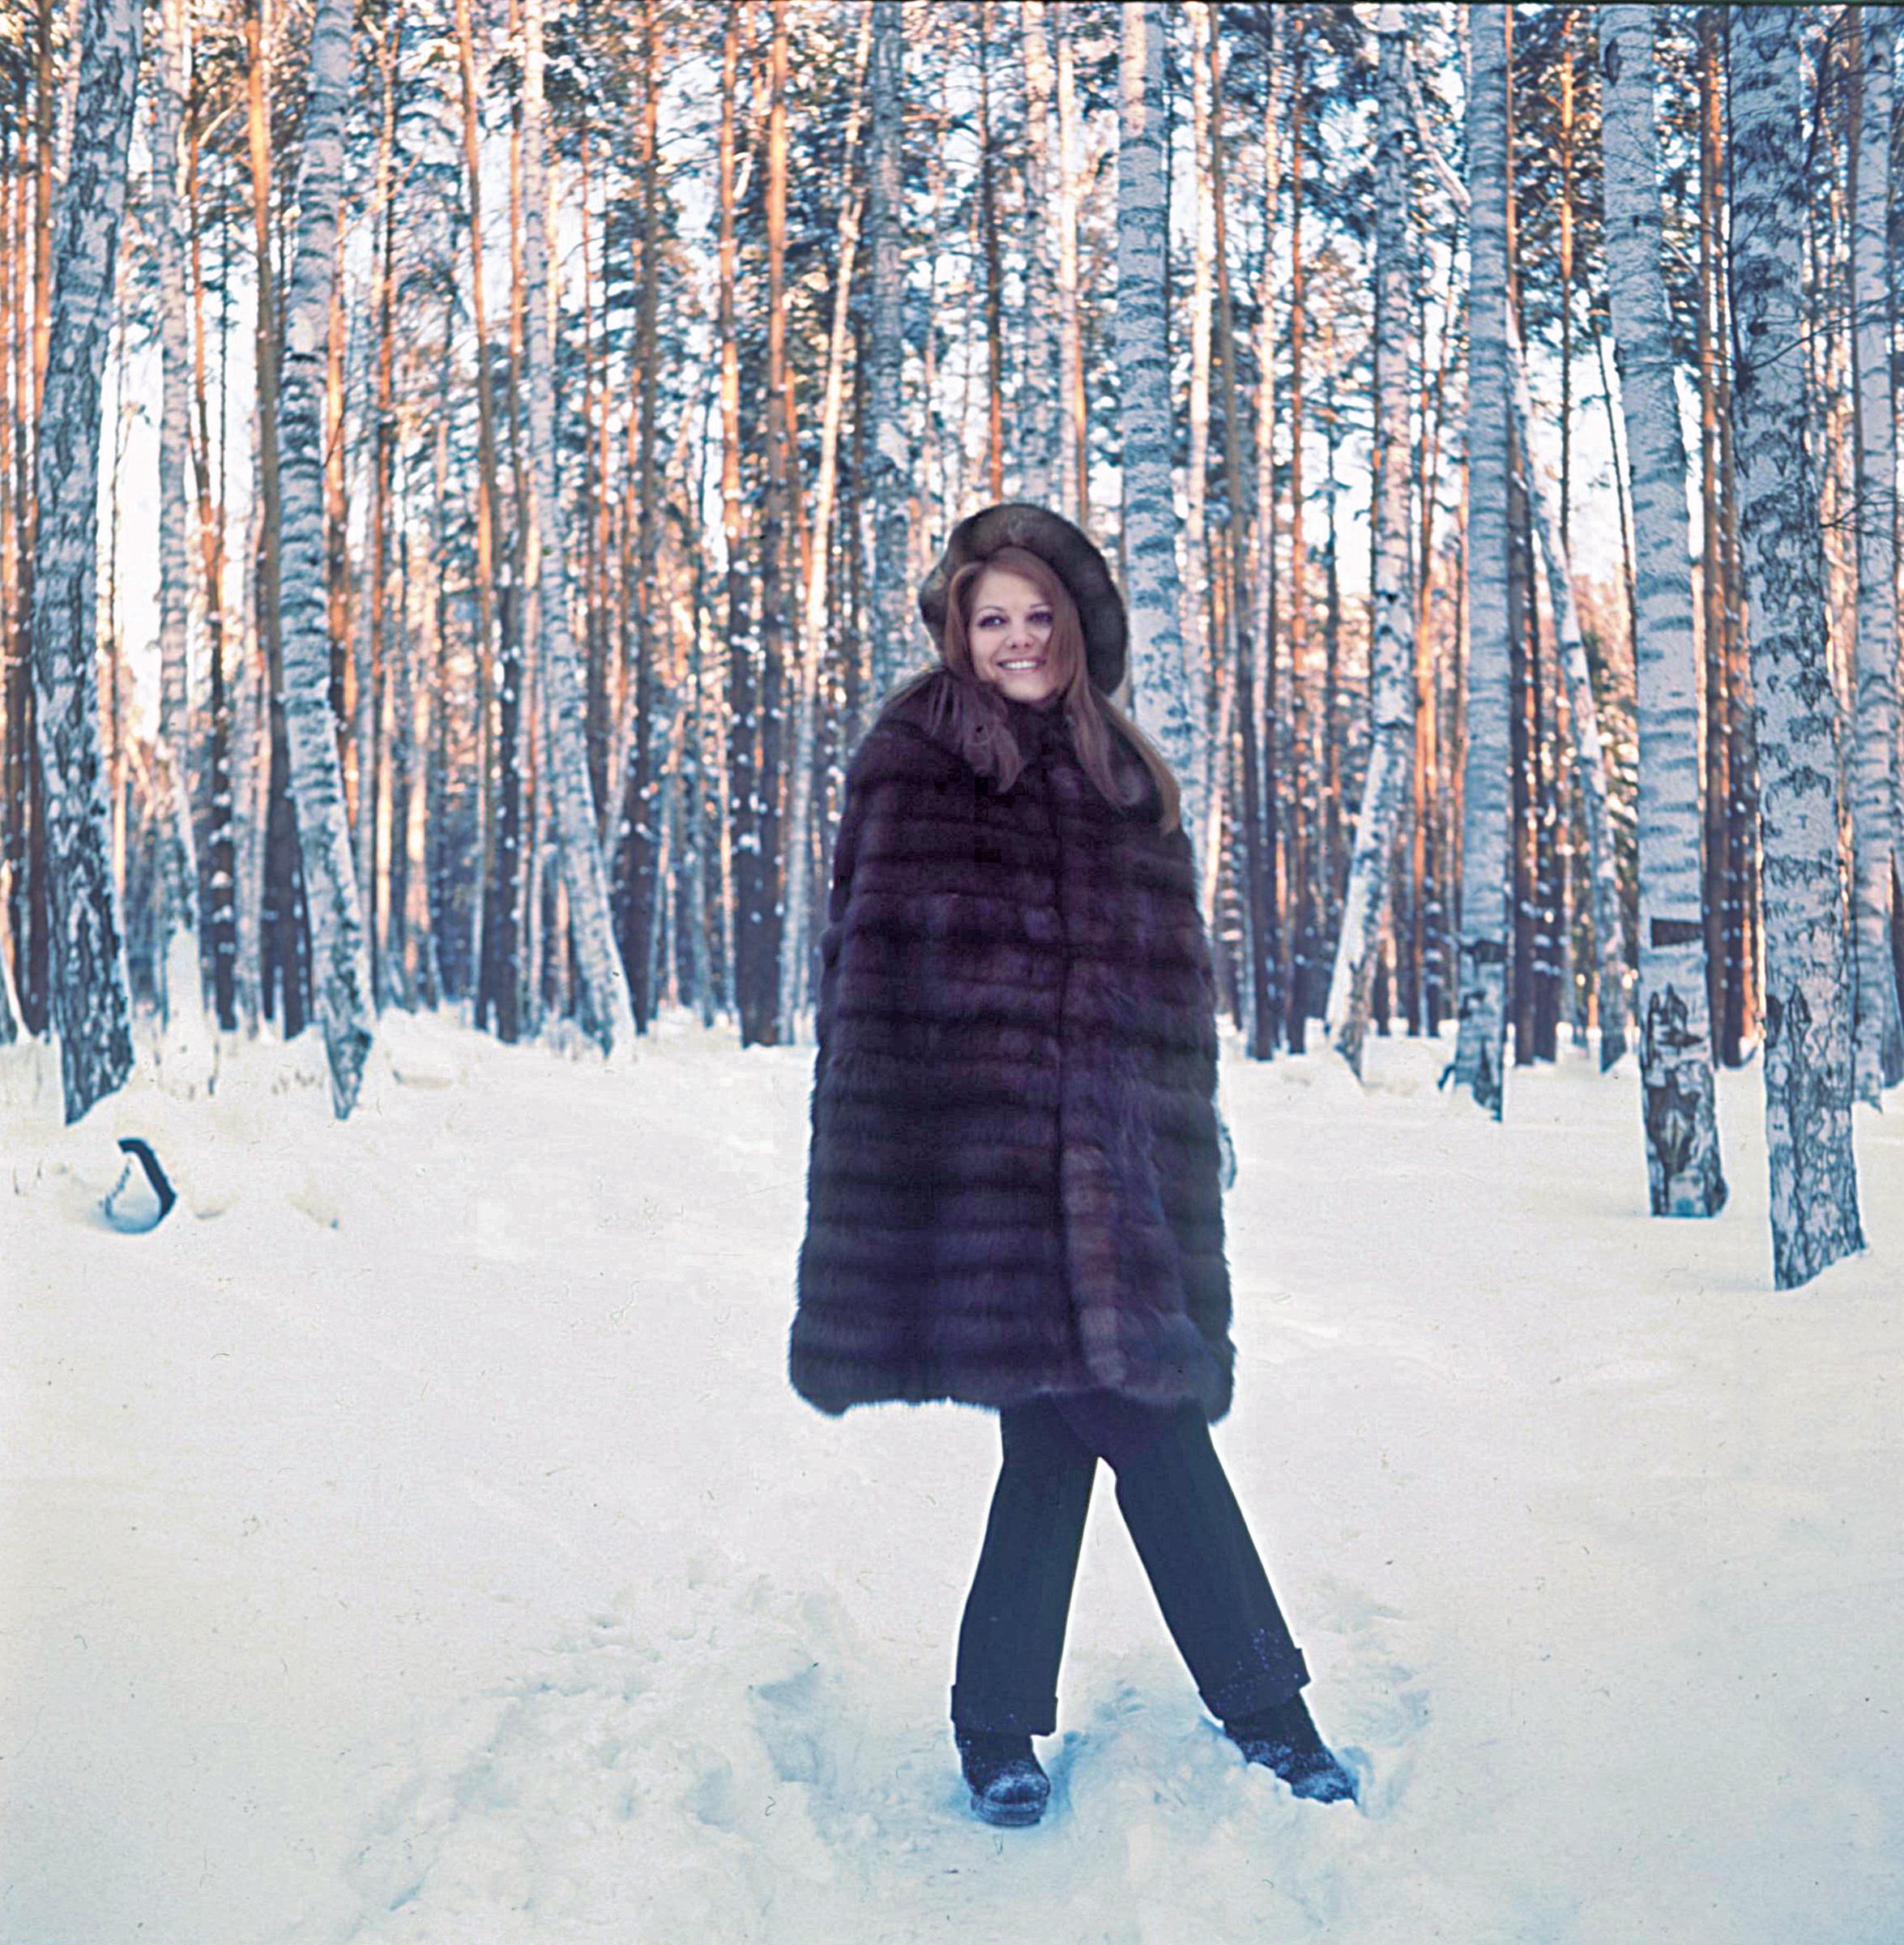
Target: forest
(464, 469)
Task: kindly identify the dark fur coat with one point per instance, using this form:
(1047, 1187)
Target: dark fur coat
(1012, 1182)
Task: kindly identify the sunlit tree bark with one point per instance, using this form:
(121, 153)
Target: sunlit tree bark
(1878, 1049)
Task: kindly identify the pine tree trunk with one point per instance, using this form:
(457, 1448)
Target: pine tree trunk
(1878, 1053)
(1682, 1164)
(1259, 705)
(91, 1010)
(760, 1020)
(1160, 679)
(341, 965)
(1807, 1026)
(1480, 1049)
(1391, 675)
(641, 882)
(607, 1016)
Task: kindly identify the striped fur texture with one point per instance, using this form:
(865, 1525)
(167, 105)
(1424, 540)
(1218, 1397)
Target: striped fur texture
(1012, 1186)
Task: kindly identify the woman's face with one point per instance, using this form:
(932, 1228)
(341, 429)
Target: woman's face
(1010, 637)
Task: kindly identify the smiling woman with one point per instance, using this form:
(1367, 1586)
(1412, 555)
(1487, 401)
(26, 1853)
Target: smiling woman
(1014, 1197)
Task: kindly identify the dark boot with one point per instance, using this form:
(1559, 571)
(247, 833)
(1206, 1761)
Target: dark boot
(1284, 1739)
(1008, 1786)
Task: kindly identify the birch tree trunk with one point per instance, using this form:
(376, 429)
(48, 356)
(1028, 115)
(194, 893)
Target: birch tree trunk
(1038, 437)
(1160, 679)
(1878, 1046)
(1683, 1166)
(1807, 1027)
(894, 637)
(607, 1014)
(1259, 727)
(1480, 1049)
(796, 939)
(339, 961)
(1073, 416)
(1549, 509)
(175, 927)
(1391, 670)
(89, 1009)
(1589, 753)
(1195, 555)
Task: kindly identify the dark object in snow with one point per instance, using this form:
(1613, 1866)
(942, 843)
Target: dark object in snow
(1066, 551)
(140, 1199)
(1008, 1784)
(1013, 1183)
(1284, 1739)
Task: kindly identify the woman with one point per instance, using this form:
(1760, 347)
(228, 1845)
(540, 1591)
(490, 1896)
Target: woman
(1013, 1194)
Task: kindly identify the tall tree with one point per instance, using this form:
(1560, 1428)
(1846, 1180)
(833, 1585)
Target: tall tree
(1391, 672)
(175, 914)
(340, 957)
(884, 485)
(607, 1014)
(1037, 468)
(1807, 1027)
(1161, 680)
(91, 1010)
(1878, 1052)
(1682, 1164)
(1480, 1049)
(280, 917)
(797, 941)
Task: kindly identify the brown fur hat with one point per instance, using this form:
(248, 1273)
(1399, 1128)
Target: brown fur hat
(1062, 547)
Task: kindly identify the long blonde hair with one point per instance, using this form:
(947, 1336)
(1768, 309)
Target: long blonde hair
(974, 711)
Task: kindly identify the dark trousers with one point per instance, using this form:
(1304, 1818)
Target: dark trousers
(1189, 1533)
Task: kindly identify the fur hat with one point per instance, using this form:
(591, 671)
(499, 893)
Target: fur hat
(1065, 549)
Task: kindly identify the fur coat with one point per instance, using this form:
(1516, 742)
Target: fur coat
(1013, 1182)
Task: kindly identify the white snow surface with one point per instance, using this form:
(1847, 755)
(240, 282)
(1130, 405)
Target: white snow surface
(415, 1538)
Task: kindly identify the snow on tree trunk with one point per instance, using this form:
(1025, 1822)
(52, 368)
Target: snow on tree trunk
(895, 634)
(1878, 1045)
(1481, 1045)
(1589, 754)
(340, 966)
(1682, 1167)
(1037, 441)
(1807, 1025)
(91, 1011)
(175, 928)
(1159, 679)
(608, 1015)
(796, 940)
(1391, 682)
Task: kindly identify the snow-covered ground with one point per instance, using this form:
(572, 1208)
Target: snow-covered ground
(415, 1539)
